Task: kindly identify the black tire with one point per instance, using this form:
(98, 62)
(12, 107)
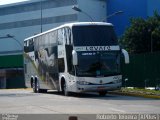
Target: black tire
(102, 93)
(36, 86)
(33, 87)
(31, 82)
(64, 90)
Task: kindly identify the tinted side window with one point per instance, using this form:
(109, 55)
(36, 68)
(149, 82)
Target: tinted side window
(69, 49)
(60, 36)
(26, 46)
(67, 36)
(61, 65)
(29, 45)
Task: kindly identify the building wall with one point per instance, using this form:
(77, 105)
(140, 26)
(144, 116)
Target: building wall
(24, 19)
(130, 8)
(96, 9)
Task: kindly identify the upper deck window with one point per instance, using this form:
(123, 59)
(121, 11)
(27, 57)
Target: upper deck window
(29, 45)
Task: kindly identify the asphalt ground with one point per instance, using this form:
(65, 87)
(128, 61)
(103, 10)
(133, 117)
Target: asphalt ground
(24, 101)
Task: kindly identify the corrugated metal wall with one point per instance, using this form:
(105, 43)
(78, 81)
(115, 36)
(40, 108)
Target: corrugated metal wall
(143, 70)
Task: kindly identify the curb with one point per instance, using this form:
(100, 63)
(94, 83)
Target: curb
(136, 95)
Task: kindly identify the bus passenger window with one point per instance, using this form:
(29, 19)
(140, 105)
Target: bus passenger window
(67, 36)
(69, 49)
(31, 45)
(60, 36)
(25, 46)
(61, 65)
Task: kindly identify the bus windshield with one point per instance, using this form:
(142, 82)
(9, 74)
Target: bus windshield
(94, 35)
(94, 64)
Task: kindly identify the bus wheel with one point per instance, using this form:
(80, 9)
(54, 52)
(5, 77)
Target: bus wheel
(31, 82)
(65, 91)
(102, 93)
(36, 86)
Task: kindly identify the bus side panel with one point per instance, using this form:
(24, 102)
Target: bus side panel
(46, 60)
(29, 69)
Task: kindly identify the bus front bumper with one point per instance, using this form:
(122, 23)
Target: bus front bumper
(97, 88)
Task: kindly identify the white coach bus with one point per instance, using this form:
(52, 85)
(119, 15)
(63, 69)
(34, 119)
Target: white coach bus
(75, 57)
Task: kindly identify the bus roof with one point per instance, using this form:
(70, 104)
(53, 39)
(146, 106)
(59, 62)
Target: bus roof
(71, 25)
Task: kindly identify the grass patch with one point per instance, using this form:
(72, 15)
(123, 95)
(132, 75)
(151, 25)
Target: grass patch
(140, 91)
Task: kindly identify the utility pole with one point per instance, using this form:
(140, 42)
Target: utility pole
(41, 16)
(81, 11)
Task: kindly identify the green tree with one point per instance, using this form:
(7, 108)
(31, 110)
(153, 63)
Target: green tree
(143, 35)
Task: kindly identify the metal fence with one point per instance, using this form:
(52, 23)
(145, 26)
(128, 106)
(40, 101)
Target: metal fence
(143, 70)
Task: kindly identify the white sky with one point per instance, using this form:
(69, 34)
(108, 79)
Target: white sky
(3, 2)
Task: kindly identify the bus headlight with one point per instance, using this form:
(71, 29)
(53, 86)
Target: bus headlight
(82, 83)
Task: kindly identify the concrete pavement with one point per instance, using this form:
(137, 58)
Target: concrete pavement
(23, 101)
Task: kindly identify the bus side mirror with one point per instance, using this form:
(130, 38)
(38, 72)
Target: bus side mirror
(126, 56)
(74, 57)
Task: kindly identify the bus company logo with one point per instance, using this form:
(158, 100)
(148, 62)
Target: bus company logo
(98, 48)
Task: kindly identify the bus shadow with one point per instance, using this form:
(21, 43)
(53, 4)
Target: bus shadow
(18, 95)
(108, 96)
